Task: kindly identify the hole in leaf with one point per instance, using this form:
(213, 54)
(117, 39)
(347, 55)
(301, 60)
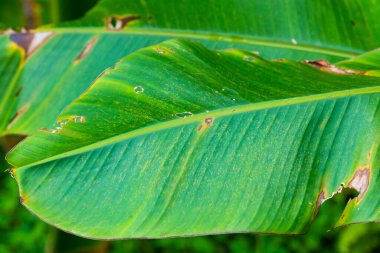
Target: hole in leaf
(331, 210)
(113, 21)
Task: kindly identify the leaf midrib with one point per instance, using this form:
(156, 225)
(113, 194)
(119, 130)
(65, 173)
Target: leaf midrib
(212, 114)
(244, 39)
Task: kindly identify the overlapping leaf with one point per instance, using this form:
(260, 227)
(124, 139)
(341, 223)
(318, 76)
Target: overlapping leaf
(368, 63)
(179, 140)
(72, 55)
(308, 26)
(11, 60)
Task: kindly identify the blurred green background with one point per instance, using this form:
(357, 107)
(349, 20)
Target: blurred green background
(18, 14)
(20, 231)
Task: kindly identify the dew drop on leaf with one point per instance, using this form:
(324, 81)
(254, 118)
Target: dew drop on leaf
(79, 119)
(63, 123)
(183, 114)
(229, 91)
(248, 58)
(138, 89)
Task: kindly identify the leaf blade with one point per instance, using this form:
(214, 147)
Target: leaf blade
(208, 173)
(11, 61)
(291, 34)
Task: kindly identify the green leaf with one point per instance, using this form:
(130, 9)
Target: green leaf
(11, 60)
(178, 140)
(334, 28)
(55, 73)
(369, 63)
(75, 53)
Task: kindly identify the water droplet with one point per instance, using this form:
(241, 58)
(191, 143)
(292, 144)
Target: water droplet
(248, 58)
(183, 114)
(229, 91)
(79, 119)
(234, 99)
(138, 89)
(63, 123)
(294, 41)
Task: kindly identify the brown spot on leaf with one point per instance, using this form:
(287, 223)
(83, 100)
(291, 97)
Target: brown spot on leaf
(30, 42)
(171, 50)
(318, 63)
(322, 64)
(22, 200)
(360, 181)
(18, 115)
(369, 155)
(23, 40)
(87, 49)
(12, 172)
(45, 130)
(160, 50)
(321, 198)
(207, 123)
(18, 91)
(117, 23)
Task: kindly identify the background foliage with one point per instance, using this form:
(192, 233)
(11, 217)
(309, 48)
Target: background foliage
(22, 232)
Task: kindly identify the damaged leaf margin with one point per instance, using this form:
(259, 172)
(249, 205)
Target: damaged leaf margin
(30, 42)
